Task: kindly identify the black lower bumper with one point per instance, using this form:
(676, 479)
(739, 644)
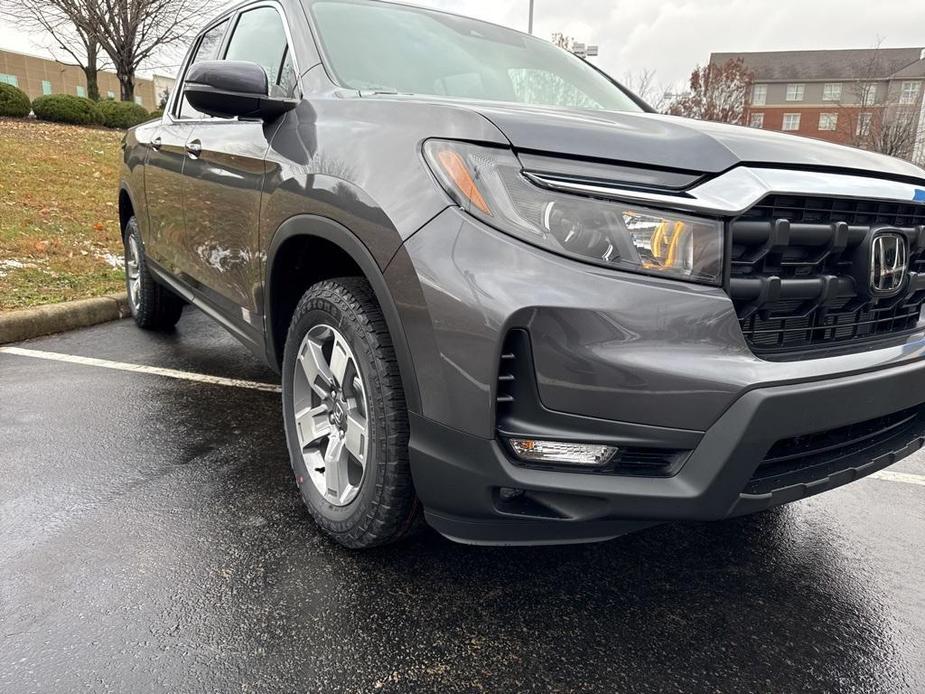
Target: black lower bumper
(460, 477)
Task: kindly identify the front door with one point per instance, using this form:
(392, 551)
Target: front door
(165, 168)
(224, 181)
(224, 176)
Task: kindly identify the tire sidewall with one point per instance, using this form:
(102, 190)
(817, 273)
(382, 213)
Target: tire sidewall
(337, 518)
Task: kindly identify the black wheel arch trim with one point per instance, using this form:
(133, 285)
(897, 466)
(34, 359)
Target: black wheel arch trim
(329, 230)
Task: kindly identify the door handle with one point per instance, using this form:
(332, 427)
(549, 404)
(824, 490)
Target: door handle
(156, 143)
(194, 148)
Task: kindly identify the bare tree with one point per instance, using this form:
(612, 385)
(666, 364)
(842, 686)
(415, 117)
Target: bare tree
(563, 41)
(131, 31)
(894, 132)
(717, 93)
(66, 25)
(872, 112)
(645, 86)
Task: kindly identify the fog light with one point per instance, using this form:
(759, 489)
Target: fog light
(562, 452)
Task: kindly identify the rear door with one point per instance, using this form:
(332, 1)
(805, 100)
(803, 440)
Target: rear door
(224, 175)
(165, 190)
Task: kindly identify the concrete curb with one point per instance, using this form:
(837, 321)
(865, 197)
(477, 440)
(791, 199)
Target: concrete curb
(58, 318)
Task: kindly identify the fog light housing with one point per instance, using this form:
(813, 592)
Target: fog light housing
(562, 452)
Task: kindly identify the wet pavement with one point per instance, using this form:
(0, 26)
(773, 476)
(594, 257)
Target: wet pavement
(152, 539)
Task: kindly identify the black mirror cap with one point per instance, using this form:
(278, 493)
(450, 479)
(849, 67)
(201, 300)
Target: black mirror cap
(233, 88)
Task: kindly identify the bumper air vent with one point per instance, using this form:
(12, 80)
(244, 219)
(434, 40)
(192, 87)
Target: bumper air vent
(520, 414)
(813, 457)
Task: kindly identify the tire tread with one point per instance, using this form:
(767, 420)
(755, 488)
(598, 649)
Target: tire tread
(159, 308)
(395, 511)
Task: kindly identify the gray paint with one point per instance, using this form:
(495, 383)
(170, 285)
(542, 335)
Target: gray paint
(348, 168)
(606, 344)
(678, 143)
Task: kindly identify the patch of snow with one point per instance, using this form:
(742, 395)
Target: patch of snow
(112, 260)
(7, 265)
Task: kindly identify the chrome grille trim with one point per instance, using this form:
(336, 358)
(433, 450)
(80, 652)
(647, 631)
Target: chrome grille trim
(739, 189)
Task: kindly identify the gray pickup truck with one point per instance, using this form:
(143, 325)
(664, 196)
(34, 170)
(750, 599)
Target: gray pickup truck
(508, 299)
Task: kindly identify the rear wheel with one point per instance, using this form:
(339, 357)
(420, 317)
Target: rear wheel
(345, 416)
(153, 306)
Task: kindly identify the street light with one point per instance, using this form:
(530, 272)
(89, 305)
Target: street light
(584, 51)
(530, 23)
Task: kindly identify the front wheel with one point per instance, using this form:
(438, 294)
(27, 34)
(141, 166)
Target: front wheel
(153, 306)
(345, 416)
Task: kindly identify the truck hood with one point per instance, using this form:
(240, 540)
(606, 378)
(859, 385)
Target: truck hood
(653, 140)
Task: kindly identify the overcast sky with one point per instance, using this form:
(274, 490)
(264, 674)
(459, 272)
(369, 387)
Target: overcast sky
(672, 36)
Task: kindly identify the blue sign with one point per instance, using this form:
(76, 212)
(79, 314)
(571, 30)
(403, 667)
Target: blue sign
(919, 195)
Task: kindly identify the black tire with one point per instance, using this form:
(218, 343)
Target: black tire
(153, 306)
(385, 508)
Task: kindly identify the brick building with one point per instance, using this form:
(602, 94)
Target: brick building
(859, 97)
(38, 76)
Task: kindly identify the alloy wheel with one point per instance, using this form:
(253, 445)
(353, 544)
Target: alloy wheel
(133, 271)
(329, 399)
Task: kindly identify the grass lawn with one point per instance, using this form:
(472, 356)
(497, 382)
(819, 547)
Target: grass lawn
(59, 219)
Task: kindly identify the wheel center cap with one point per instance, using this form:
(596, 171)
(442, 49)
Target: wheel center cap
(338, 413)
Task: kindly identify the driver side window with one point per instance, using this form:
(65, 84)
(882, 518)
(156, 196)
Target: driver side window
(260, 37)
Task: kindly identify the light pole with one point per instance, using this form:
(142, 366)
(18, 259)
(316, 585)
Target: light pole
(530, 23)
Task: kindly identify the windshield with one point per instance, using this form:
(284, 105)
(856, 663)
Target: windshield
(395, 48)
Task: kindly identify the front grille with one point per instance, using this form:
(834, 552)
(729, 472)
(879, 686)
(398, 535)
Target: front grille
(792, 275)
(806, 459)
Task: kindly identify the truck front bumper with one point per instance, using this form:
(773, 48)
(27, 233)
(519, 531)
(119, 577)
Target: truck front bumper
(462, 479)
(626, 360)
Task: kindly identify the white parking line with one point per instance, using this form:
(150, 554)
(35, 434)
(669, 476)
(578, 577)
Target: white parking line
(890, 476)
(884, 475)
(138, 368)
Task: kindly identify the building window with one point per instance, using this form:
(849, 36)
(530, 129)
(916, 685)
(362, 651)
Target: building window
(111, 95)
(828, 121)
(795, 92)
(139, 101)
(831, 91)
(9, 79)
(81, 91)
(791, 121)
(759, 95)
(868, 94)
(909, 93)
(863, 129)
(46, 87)
(756, 120)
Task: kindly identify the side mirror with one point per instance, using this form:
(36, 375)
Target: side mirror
(229, 88)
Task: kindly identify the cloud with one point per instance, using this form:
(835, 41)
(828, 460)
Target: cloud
(673, 36)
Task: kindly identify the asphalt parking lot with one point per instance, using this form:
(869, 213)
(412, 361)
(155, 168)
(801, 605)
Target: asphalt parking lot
(152, 539)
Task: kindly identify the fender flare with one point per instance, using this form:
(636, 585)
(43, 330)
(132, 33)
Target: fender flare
(310, 225)
(124, 188)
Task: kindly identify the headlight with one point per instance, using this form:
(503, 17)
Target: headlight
(488, 183)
